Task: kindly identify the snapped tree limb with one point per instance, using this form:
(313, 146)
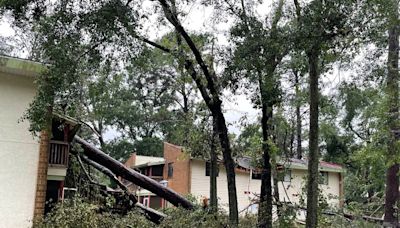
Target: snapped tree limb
(141, 180)
(153, 215)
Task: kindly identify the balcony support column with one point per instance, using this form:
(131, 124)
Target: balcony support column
(41, 184)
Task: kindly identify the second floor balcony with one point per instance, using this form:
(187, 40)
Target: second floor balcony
(58, 154)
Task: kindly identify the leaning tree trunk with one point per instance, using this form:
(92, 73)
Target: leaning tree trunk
(392, 177)
(265, 207)
(229, 166)
(213, 170)
(313, 156)
(141, 180)
(211, 96)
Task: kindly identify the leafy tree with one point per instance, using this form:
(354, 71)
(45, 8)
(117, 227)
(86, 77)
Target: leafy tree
(76, 36)
(320, 25)
(257, 61)
(392, 91)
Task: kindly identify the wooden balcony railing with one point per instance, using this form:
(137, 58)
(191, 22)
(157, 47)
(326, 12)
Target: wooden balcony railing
(58, 155)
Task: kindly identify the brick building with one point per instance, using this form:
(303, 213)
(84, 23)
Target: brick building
(187, 175)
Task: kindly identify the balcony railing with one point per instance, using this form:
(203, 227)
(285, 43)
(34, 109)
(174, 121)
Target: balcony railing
(59, 152)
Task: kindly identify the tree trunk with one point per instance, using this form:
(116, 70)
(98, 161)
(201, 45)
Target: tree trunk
(313, 156)
(213, 171)
(141, 180)
(276, 187)
(292, 133)
(299, 151)
(392, 178)
(265, 208)
(211, 96)
(229, 166)
(151, 214)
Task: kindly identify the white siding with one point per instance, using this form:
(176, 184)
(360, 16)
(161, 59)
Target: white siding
(200, 186)
(294, 189)
(18, 153)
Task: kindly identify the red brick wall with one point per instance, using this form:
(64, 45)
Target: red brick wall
(131, 160)
(180, 181)
(41, 184)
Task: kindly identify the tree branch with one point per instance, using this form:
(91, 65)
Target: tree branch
(151, 214)
(172, 18)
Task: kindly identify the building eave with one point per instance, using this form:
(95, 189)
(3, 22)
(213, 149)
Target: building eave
(148, 164)
(22, 67)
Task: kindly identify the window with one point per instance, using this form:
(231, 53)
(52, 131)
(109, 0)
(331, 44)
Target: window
(208, 169)
(146, 201)
(323, 178)
(170, 170)
(287, 176)
(157, 170)
(256, 175)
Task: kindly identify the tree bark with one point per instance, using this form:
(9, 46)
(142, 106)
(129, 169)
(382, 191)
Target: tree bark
(213, 171)
(276, 188)
(119, 169)
(392, 178)
(265, 207)
(313, 156)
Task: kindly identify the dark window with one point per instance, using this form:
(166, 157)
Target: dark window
(143, 171)
(157, 170)
(323, 178)
(208, 169)
(255, 175)
(155, 202)
(170, 170)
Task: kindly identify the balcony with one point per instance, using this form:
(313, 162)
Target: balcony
(58, 155)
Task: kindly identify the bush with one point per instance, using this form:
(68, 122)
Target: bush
(76, 213)
(199, 218)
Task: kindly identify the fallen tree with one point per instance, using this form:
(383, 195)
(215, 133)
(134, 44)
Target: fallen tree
(153, 215)
(139, 179)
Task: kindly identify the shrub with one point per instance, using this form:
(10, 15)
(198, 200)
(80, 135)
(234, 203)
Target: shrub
(76, 213)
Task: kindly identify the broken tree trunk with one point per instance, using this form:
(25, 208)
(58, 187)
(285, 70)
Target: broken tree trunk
(153, 215)
(141, 180)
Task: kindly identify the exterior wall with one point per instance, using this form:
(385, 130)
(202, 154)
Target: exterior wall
(180, 181)
(333, 190)
(131, 161)
(293, 189)
(247, 187)
(18, 152)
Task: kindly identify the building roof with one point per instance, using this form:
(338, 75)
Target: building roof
(18, 66)
(293, 163)
(143, 161)
(245, 162)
